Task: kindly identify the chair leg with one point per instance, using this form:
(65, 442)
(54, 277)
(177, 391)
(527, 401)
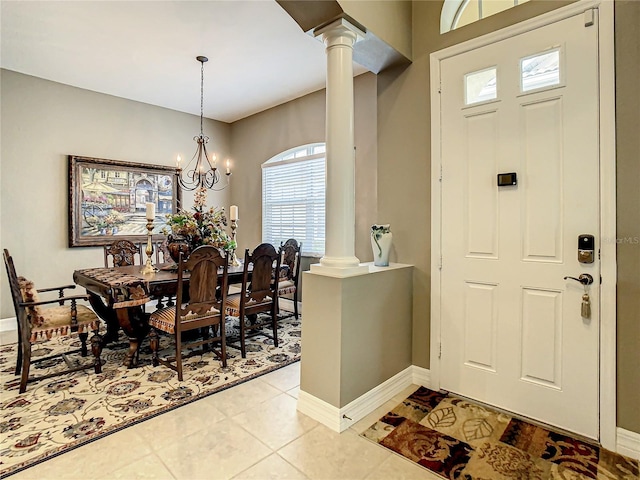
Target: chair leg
(243, 350)
(274, 323)
(26, 361)
(96, 349)
(154, 345)
(206, 335)
(179, 355)
(83, 340)
(19, 361)
(295, 303)
(223, 341)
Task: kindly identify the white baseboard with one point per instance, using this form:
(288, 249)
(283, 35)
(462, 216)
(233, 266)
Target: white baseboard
(628, 443)
(319, 410)
(421, 376)
(8, 331)
(8, 324)
(339, 419)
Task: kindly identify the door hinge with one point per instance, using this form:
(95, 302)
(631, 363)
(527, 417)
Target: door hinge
(589, 17)
(440, 263)
(440, 173)
(440, 351)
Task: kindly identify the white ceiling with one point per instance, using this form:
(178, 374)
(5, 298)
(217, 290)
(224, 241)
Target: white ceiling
(146, 51)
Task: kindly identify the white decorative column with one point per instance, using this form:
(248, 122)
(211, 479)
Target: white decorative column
(339, 259)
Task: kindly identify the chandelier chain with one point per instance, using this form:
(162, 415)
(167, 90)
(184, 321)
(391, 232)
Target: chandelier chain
(201, 95)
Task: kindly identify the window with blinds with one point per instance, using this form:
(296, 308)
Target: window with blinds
(293, 198)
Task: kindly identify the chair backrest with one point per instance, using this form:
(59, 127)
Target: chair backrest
(266, 262)
(122, 253)
(14, 284)
(290, 252)
(203, 264)
(162, 252)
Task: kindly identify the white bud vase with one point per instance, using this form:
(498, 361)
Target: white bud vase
(381, 239)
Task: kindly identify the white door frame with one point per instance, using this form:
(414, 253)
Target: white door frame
(608, 269)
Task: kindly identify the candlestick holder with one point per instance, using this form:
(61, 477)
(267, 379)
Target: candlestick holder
(234, 259)
(149, 268)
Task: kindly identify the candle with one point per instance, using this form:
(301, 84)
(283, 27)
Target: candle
(228, 167)
(214, 159)
(178, 162)
(233, 212)
(151, 211)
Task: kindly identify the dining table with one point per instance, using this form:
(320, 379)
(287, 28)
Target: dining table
(118, 296)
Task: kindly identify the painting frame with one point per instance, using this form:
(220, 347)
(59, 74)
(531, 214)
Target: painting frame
(107, 200)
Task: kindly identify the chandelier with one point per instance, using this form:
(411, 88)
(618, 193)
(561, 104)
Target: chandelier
(201, 172)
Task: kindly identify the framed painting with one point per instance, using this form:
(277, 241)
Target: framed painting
(107, 200)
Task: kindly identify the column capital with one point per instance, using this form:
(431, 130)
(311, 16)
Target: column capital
(340, 31)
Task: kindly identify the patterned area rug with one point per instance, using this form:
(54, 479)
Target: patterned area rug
(458, 439)
(61, 413)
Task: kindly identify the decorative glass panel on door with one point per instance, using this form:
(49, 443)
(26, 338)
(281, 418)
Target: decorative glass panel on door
(540, 70)
(480, 86)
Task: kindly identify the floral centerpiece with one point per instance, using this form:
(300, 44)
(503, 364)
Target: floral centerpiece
(201, 226)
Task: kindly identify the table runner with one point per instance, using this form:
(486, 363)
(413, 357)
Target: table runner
(128, 290)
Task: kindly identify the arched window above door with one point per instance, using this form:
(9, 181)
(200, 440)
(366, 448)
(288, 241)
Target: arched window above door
(458, 13)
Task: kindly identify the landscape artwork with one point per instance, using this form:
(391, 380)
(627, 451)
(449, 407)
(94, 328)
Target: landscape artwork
(108, 200)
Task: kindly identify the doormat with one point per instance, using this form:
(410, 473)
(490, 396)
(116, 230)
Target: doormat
(58, 414)
(458, 439)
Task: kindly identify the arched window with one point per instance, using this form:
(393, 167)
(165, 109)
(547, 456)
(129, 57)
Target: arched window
(458, 13)
(293, 198)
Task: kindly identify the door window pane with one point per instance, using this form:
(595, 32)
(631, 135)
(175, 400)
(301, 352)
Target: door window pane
(480, 86)
(540, 70)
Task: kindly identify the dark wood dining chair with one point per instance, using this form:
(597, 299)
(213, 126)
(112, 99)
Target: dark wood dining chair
(258, 294)
(288, 278)
(37, 324)
(161, 256)
(122, 253)
(204, 308)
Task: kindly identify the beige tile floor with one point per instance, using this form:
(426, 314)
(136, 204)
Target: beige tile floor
(251, 431)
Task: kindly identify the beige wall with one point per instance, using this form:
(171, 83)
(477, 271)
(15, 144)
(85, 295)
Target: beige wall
(387, 20)
(360, 340)
(256, 139)
(627, 15)
(42, 123)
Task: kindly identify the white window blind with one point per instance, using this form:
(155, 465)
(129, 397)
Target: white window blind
(293, 198)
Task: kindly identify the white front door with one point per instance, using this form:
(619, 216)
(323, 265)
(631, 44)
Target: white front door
(513, 332)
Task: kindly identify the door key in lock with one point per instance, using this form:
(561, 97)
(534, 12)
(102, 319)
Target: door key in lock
(585, 279)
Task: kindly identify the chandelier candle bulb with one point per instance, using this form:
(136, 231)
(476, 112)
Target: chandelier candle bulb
(178, 160)
(151, 211)
(228, 167)
(233, 212)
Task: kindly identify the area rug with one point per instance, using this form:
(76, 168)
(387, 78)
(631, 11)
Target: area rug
(458, 439)
(58, 414)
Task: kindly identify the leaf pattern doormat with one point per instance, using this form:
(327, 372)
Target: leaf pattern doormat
(58, 414)
(461, 440)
